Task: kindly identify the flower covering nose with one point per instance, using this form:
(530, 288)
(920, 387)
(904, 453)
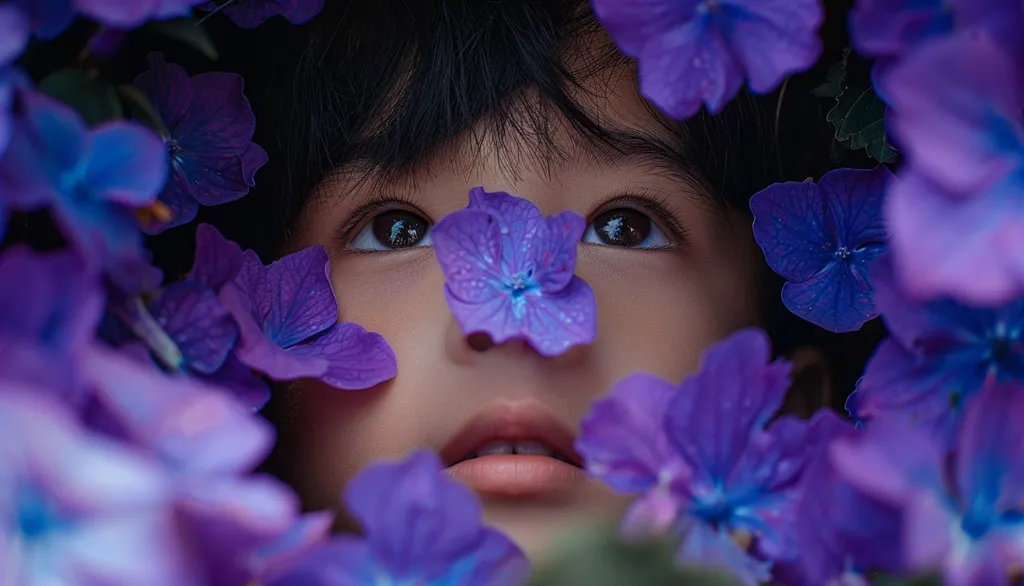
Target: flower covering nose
(509, 273)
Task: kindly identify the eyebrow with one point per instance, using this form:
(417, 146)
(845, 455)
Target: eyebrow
(657, 154)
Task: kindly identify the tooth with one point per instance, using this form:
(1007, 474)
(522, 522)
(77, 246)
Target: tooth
(533, 449)
(495, 449)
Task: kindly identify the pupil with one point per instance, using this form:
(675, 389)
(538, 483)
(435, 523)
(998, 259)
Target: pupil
(399, 229)
(623, 227)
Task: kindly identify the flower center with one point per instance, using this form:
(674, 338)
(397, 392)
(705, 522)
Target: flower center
(843, 253)
(521, 284)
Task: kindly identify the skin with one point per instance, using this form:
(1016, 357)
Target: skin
(658, 309)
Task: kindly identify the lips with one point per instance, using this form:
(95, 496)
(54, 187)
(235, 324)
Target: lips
(514, 450)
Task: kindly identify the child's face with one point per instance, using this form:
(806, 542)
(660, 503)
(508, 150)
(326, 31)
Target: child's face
(657, 310)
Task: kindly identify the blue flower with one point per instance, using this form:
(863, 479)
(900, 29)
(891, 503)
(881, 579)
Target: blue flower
(822, 238)
(420, 527)
(939, 354)
(509, 273)
(700, 51)
(962, 507)
(91, 180)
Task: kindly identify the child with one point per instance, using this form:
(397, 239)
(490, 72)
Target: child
(389, 115)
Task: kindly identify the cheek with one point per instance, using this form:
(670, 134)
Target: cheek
(658, 311)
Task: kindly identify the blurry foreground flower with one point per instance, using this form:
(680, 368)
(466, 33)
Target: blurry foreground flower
(719, 467)
(955, 215)
(421, 527)
(822, 238)
(287, 315)
(77, 508)
(962, 509)
(209, 127)
(509, 273)
(51, 305)
(939, 354)
(126, 14)
(698, 52)
(252, 13)
(92, 180)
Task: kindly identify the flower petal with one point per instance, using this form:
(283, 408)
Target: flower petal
(217, 261)
(989, 471)
(244, 384)
(196, 319)
(168, 88)
(622, 440)
(793, 227)
(556, 253)
(733, 395)
(292, 297)
(521, 224)
(838, 299)
(774, 38)
(415, 517)
(220, 122)
(14, 33)
(356, 359)
(468, 247)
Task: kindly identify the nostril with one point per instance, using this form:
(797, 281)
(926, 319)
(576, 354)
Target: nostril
(480, 342)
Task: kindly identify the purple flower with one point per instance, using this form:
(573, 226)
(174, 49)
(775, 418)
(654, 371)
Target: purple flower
(252, 13)
(51, 307)
(623, 442)
(91, 179)
(699, 51)
(21, 19)
(955, 215)
(962, 510)
(126, 14)
(421, 527)
(509, 273)
(743, 476)
(702, 457)
(939, 354)
(841, 533)
(77, 508)
(209, 128)
(288, 318)
(822, 238)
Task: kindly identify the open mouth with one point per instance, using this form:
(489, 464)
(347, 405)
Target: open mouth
(520, 447)
(515, 450)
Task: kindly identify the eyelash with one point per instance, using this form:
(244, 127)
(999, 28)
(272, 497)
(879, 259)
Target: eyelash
(641, 200)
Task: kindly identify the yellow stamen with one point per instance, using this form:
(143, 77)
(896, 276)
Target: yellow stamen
(155, 214)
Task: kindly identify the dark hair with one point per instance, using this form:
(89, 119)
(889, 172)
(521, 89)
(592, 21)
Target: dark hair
(379, 85)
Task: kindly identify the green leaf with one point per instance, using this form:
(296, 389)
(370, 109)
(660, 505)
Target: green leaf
(94, 99)
(188, 32)
(833, 85)
(859, 114)
(596, 556)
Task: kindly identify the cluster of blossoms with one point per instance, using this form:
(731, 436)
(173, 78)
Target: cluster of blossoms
(129, 406)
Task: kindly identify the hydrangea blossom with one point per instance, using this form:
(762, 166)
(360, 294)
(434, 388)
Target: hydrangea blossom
(721, 468)
(91, 179)
(209, 127)
(51, 306)
(509, 273)
(939, 354)
(955, 216)
(962, 510)
(252, 13)
(700, 51)
(76, 508)
(822, 238)
(421, 527)
(287, 315)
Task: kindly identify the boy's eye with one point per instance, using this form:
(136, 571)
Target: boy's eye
(393, 230)
(627, 228)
